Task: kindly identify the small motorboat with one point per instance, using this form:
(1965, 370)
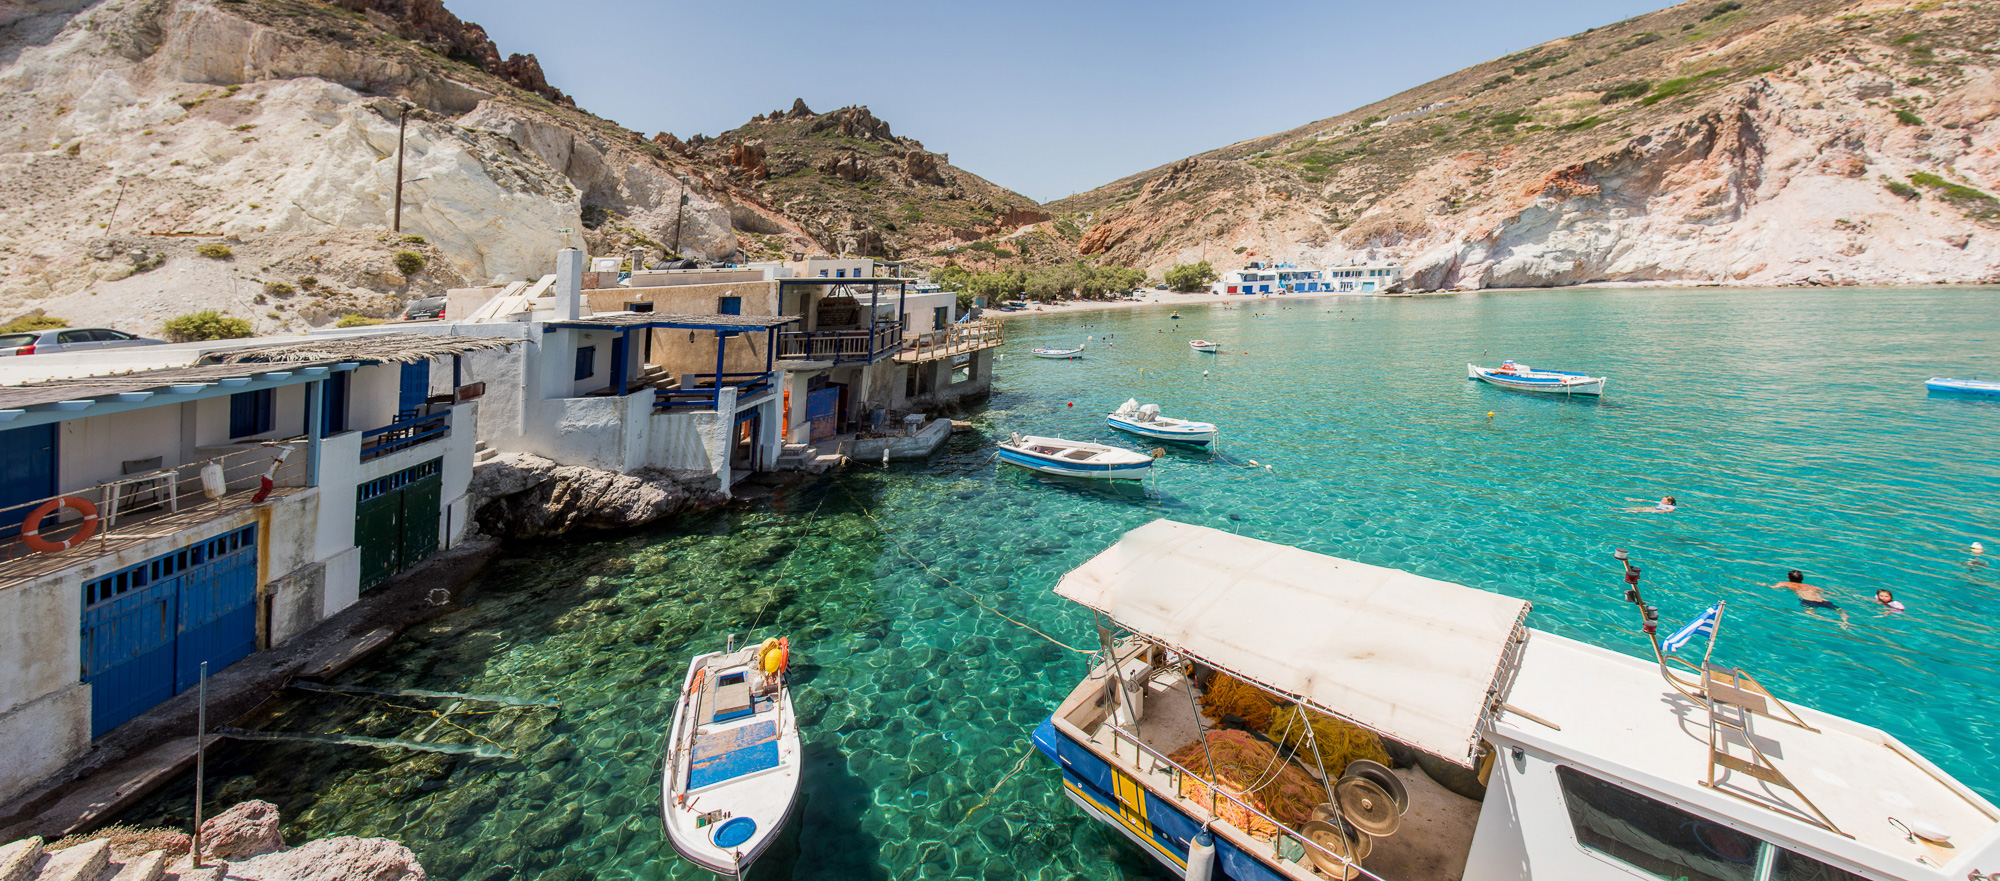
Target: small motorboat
(1521, 377)
(1963, 386)
(1060, 354)
(1053, 455)
(732, 768)
(1205, 345)
(1146, 421)
(1176, 316)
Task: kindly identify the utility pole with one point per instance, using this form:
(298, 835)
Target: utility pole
(677, 220)
(402, 123)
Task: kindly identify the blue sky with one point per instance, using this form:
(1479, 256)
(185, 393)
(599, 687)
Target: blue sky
(1045, 97)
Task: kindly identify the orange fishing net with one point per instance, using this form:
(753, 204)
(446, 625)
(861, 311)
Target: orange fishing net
(1229, 696)
(1241, 761)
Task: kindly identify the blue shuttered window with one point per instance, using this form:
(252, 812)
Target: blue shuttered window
(251, 412)
(729, 306)
(586, 362)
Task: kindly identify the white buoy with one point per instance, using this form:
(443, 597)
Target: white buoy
(1201, 857)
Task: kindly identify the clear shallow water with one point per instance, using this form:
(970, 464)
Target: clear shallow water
(1792, 425)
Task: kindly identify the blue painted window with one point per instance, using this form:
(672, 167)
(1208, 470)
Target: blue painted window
(586, 362)
(840, 273)
(940, 316)
(251, 412)
(729, 305)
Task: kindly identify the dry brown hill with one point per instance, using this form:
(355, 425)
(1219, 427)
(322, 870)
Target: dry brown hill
(1744, 142)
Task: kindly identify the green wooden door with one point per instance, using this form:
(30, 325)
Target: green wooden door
(421, 502)
(378, 531)
(396, 520)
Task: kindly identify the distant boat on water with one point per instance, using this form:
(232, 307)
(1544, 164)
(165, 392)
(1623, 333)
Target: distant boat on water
(1521, 377)
(1068, 458)
(1963, 386)
(1204, 345)
(1176, 316)
(1059, 354)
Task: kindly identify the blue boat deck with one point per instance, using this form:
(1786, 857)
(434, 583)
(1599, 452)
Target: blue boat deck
(721, 756)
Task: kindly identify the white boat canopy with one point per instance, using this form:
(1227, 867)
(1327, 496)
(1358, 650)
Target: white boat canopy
(1420, 660)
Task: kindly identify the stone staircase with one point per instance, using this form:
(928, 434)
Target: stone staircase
(481, 454)
(30, 860)
(792, 458)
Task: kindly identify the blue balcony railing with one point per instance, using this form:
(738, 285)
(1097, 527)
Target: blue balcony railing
(705, 395)
(406, 432)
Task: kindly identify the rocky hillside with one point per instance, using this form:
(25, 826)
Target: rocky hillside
(161, 156)
(1750, 142)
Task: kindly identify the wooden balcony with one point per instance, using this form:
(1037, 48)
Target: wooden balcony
(958, 339)
(863, 344)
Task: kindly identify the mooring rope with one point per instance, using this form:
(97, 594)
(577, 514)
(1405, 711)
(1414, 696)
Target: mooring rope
(948, 582)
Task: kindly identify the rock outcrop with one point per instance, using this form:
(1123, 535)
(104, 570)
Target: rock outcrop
(240, 844)
(1782, 142)
(524, 496)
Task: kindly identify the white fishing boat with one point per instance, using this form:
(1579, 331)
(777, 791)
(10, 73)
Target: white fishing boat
(1415, 729)
(1053, 455)
(1060, 354)
(1963, 386)
(1146, 421)
(732, 766)
(1521, 377)
(1204, 345)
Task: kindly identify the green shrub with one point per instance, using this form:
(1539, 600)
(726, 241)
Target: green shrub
(1624, 92)
(413, 240)
(1907, 118)
(207, 324)
(1191, 276)
(35, 320)
(1722, 9)
(353, 320)
(215, 251)
(1976, 204)
(1904, 191)
(279, 289)
(1679, 86)
(410, 262)
(307, 282)
(1645, 39)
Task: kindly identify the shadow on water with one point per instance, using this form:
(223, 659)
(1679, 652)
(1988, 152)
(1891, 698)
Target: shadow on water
(826, 838)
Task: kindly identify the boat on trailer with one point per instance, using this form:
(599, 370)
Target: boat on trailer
(1060, 354)
(1962, 386)
(1205, 345)
(1522, 378)
(1068, 458)
(731, 773)
(1514, 753)
(1146, 421)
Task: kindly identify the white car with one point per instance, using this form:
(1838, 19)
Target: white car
(69, 339)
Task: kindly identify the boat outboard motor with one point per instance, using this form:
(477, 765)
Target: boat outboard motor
(1149, 413)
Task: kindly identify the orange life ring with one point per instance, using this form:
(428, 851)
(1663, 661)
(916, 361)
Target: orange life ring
(31, 527)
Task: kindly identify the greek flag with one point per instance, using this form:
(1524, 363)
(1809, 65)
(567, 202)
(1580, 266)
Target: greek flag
(1702, 624)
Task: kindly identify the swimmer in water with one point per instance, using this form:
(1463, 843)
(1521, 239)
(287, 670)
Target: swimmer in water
(1811, 597)
(1666, 505)
(1888, 601)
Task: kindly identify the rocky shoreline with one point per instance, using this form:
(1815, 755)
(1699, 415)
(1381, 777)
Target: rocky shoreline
(527, 496)
(243, 843)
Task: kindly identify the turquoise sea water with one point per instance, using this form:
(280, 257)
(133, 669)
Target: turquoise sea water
(1792, 425)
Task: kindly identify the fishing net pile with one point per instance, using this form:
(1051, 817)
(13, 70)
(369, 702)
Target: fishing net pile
(1249, 769)
(1339, 742)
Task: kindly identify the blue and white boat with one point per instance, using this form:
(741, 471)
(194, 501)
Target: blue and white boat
(1963, 386)
(1517, 754)
(1059, 354)
(1522, 378)
(1146, 421)
(1053, 455)
(731, 775)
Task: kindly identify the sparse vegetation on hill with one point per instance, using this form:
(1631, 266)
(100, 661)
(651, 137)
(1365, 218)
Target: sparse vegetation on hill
(31, 322)
(207, 324)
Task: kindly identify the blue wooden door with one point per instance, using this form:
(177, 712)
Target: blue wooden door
(27, 472)
(822, 410)
(416, 386)
(218, 606)
(148, 628)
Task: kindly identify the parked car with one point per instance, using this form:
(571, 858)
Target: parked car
(426, 309)
(70, 339)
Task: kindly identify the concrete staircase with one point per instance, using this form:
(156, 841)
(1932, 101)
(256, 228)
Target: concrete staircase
(481, 454)
(792, 458)
(30, 860)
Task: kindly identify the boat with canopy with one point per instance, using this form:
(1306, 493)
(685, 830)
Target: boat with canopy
(1257, 711)
(1522, 378)
(731, 774)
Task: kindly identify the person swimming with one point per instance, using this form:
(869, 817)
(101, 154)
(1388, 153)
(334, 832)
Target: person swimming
(1811, 597)
(1888, 601)
(1666, 505)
